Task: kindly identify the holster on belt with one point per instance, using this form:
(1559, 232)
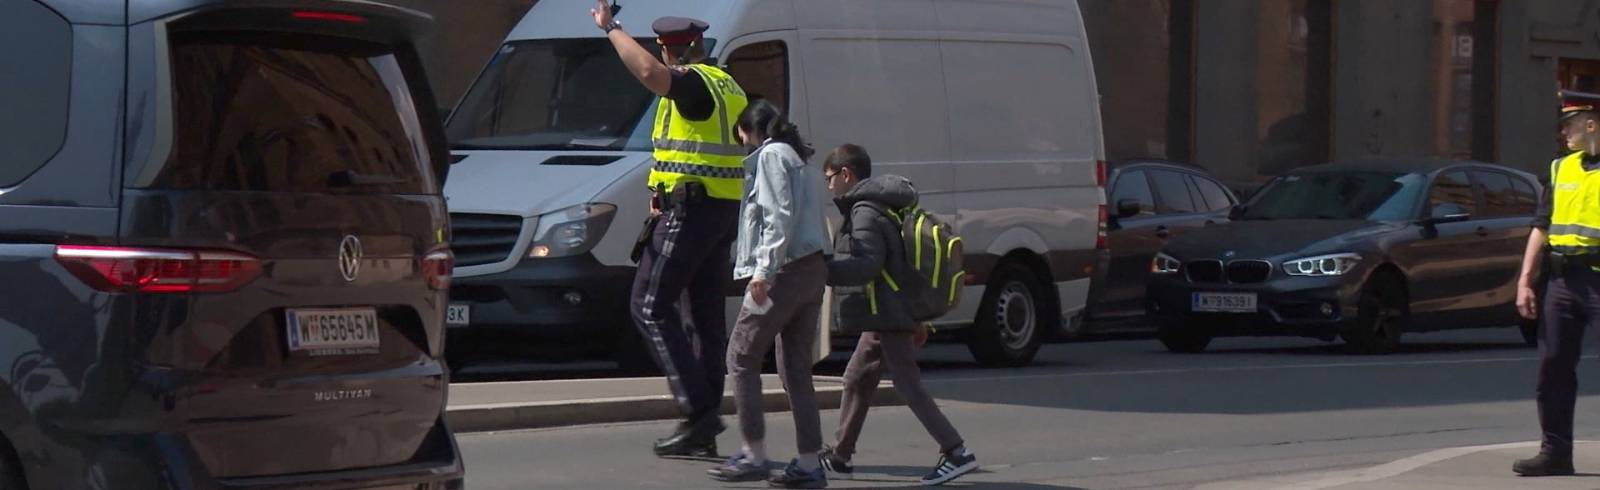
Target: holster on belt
(645, 235)
(684, 194)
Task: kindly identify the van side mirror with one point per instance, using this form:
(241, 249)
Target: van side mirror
(1237, 211)
(1128, 208)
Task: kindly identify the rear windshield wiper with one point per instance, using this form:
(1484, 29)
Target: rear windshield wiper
(351, 178)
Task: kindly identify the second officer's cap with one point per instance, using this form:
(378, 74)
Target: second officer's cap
(1574, 103)
(679, 31)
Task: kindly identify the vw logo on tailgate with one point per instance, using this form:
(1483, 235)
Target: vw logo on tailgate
(350, 258)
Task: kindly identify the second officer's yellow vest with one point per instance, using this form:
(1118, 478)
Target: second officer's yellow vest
(702, 151)
(1575, 217)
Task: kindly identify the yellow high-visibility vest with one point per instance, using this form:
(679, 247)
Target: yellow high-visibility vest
(702, 151)
(1575, 217)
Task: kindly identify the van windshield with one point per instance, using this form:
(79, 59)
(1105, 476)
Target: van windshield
(556, 94)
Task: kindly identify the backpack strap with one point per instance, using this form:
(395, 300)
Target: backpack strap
(881, 209)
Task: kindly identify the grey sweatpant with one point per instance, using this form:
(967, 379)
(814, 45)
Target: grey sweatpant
(792, 323)
(897, 352)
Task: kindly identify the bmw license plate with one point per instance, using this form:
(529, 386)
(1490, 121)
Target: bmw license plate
(1225, 302)
(333, 331)
(458, 315)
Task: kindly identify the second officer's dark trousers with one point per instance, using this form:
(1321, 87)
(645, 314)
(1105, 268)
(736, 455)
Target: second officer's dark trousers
(687, 265)
(1571, 308)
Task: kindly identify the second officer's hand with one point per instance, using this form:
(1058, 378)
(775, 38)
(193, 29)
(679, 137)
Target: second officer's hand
(758, 291)
(601, 13)
(1528, 302)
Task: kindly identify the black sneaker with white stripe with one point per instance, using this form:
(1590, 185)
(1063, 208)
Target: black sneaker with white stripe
(951, 465)
(838, 465)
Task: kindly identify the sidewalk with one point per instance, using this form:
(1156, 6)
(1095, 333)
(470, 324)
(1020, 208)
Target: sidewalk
(483, 407)
(1465, 468)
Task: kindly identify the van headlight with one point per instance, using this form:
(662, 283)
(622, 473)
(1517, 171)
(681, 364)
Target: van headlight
(571, 231)
(1164, 264)
(1324, 265)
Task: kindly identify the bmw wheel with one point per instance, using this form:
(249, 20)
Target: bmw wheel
(1380, 323)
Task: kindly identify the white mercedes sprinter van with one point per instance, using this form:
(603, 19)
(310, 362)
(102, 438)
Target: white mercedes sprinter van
(990, 107)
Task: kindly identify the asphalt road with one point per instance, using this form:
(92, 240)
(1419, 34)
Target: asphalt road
(1119, 415)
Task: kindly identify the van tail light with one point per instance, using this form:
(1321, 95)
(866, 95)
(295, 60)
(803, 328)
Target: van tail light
(147, 270)
(1100, 231)
(437, 266)
(1101, 173)
(329, 17)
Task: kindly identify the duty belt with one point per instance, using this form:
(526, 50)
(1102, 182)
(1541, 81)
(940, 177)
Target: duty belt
(1561, 262)
(681, 194)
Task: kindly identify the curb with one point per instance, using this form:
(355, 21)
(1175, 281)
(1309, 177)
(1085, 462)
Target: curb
(492, 417)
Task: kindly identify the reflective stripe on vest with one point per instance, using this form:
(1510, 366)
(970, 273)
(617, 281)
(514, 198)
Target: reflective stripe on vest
(1575, 200)
(702, 151)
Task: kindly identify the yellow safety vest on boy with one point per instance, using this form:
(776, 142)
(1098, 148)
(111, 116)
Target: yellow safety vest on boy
(1575, 207)
(702, 151)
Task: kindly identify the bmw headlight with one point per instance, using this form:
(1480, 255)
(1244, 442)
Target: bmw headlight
(571, 231)
(1164, 264)
(1325, 265)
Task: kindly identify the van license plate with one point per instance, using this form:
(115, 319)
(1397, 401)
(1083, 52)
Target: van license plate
(333, 331)
(1225, 302)
(459, 315)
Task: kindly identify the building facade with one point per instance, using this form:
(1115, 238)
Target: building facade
(1251, 88)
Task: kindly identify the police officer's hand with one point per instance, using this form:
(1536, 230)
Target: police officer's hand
(601, 13)
(1528, 302)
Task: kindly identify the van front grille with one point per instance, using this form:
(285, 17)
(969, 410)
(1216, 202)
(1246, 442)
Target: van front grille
(479, 239)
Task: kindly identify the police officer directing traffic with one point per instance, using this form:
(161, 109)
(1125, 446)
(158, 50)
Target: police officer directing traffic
(1567, 235)
(695, 187)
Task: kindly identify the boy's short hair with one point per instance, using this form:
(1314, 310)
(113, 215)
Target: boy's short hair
(852, 156)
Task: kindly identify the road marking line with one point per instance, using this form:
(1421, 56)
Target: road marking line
(1400, 467)
(1226, 369)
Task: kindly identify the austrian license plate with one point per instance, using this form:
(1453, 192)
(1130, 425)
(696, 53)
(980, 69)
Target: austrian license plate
(1225, 302)
(458, 315)
(333, 331)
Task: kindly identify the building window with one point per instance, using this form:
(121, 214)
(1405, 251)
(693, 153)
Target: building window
(1456, 46)
(1292, 80)
(1133, 48)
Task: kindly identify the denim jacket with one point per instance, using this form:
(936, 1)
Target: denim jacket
(780, 214)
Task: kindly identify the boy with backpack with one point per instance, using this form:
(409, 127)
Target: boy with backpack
(896, 267)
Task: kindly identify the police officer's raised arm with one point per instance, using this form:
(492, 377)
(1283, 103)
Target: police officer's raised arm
(650, 71)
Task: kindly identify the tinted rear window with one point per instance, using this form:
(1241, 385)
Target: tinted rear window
(292, 114)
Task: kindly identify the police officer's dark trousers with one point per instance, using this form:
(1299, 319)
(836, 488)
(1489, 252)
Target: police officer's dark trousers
(687, 265)
(1571, 307)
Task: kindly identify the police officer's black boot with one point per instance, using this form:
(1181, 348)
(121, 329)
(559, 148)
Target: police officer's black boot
(697, 439)
(1545, 464)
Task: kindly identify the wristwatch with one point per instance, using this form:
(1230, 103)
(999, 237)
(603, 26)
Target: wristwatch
(614, 25)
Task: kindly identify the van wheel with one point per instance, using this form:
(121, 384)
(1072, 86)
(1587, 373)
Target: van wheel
(1184, 339)
(11, 477)
(1013, 320)
(1381, 322)
(1530, 332)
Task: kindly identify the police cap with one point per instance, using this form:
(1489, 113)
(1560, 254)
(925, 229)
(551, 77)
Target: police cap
(1574, 103)
(679, 31)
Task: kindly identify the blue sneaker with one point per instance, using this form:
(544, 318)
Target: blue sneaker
(794, 477)
(739, 468)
